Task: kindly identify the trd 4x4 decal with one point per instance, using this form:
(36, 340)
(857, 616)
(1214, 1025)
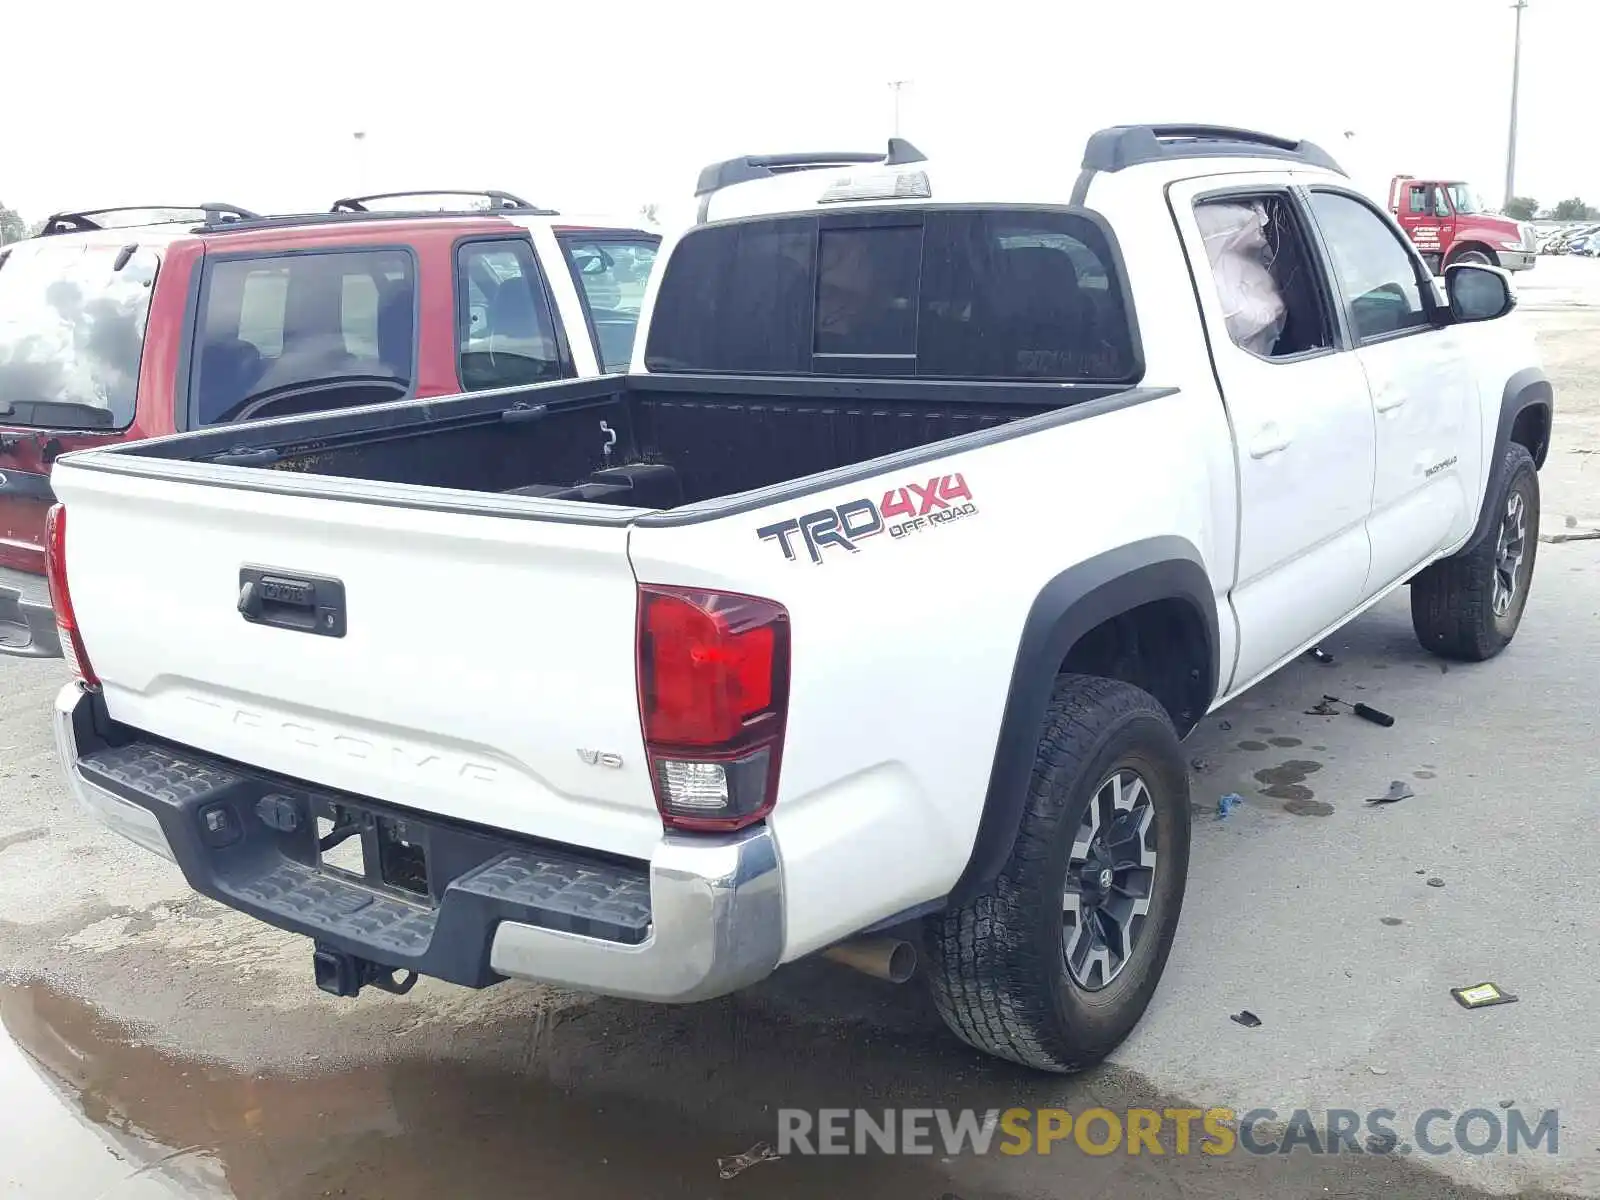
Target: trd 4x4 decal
(902, 511)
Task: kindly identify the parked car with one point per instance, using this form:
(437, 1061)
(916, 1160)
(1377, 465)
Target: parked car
(1563, 240)
(216, 315)
(869, 607)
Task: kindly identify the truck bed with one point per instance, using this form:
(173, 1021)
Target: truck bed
(636, 441)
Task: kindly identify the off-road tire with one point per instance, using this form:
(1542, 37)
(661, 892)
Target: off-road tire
(1452, 602)
(997, 964)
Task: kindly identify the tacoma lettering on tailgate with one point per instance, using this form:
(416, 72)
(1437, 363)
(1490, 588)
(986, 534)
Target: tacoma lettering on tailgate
(902, 511)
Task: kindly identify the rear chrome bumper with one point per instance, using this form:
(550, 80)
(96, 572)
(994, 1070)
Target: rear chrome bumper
(27, 622)
(713, 923)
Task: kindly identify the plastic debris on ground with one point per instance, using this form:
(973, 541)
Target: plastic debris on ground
(1482, 995)
(1399, 789)
(1321, 655)
(1435, 882)
(1226, 804)
(1246, 1018)
(727, 1168)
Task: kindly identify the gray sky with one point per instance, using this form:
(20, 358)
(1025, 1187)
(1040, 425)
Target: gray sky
(607, 107)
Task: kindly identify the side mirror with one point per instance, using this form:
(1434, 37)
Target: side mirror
(1478, 293)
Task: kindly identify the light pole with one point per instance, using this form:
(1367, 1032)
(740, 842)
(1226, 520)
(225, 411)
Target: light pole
(360, 139)
(1516, 82)
(894, 86)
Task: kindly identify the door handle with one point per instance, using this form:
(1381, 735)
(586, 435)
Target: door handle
(1389, 399)
(1270, 439)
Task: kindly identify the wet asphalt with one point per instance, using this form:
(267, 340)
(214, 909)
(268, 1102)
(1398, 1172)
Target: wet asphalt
(583, 1107)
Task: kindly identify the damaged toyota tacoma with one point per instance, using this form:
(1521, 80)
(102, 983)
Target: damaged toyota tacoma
(867, 611)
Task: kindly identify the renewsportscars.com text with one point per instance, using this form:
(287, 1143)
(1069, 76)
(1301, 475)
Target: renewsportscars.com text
(1181, 1131)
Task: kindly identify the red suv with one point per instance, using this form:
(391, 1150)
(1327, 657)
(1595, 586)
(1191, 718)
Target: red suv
(210, 315)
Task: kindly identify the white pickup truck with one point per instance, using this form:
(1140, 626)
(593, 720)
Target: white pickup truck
(939, 504)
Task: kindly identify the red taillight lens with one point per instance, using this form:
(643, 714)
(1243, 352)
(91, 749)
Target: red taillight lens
(713, 698)
(55, 573)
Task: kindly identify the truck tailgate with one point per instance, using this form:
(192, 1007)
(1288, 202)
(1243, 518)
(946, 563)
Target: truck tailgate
(479, 659)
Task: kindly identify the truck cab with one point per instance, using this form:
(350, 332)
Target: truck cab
(1449, 223)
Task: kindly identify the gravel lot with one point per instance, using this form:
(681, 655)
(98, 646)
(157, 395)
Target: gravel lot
(160, 1045)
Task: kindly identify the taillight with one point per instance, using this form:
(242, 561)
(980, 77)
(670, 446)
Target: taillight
(55, 573)
(713, 699)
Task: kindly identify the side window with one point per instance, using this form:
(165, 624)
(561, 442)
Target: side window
(282, 333)
(611, 272)
(1376, 271)
(1417, 200)
(504, 328)
(1273, 301)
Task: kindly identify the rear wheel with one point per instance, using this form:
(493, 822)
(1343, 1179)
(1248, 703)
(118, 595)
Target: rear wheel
(1055, 962)
(1469, 607)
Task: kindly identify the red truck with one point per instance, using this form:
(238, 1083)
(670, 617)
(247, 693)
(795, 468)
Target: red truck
(1450, 224)
(213, 315)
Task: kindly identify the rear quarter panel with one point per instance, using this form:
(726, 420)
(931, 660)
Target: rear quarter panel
(903, 649)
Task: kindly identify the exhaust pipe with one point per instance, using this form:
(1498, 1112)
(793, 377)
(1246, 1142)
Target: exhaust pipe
(890, 959)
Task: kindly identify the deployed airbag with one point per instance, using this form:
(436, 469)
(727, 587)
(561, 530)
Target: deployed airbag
(1241, 256)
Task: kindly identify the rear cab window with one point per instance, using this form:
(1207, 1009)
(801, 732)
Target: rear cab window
(72, 331)
(959, 293)
(611, 270)
(297, 332)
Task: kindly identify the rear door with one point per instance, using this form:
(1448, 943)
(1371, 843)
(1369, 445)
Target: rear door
(1301, 415)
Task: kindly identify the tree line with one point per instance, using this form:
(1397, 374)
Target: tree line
(1525, 208)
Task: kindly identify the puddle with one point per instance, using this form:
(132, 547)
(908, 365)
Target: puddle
(616, 1102)
(1287, 782)
(1304, 806)
(59, 1141)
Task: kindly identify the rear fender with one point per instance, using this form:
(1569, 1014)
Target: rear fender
(1069, 606)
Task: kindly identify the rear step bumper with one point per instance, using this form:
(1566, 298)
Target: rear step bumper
(704, 918)
(27, 622)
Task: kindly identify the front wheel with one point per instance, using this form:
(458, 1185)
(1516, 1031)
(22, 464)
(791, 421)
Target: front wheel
(1477, 257)
(1055, 962)
(1469, 607)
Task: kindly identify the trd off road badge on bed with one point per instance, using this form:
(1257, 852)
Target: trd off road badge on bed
(902, 511)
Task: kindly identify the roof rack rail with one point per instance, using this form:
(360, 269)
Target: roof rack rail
(497, 200)
(85, 222)
(1123, 146)
(348, 217)
(764, 166)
